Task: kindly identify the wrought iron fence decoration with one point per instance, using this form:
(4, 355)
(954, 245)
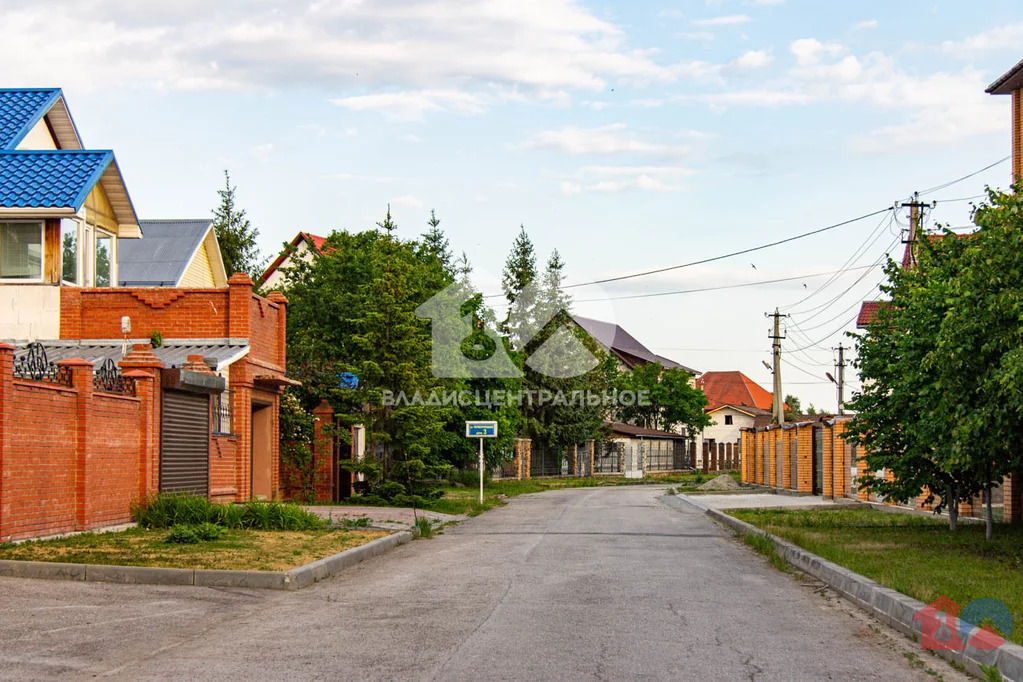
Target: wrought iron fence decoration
(108, 378)
(33, 364)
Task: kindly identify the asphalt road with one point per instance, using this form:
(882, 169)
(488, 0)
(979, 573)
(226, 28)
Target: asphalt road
(576, 584)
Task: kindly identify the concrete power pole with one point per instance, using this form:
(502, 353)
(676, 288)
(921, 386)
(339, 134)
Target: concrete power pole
(776, 339)
(840, 373)
(915, 220)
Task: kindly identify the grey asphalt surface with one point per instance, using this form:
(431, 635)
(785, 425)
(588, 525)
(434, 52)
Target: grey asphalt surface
(599, 584)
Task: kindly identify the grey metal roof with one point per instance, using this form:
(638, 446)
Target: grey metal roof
(1007, 82)
(161, 256)
(218, 356)
(619, 341)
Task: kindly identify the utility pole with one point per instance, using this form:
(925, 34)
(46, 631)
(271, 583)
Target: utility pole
(776, 339)
(915, 220)
(840, 372)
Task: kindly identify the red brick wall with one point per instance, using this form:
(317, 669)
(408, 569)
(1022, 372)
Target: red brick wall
(112, 479)
(264, 339)
(224, 454)
(39, 455)
(175, 313)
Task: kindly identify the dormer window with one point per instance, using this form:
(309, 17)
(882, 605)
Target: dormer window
(21, 251)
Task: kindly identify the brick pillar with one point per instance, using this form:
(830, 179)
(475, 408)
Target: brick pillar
(282, 325)
(142, 365)
(6, 396)
(590, 447)
(81, 381)
(527, 459)
(239, 301)
(573, 458)
(713, 455)
(323, 452)
(706, 456)
(1012, 486)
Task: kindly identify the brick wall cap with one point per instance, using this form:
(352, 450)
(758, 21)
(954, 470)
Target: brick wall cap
(74, 362)
(239, 279)
(277, 297)
(136, 374)
(194, 357)
(7, 346)
(323, 408)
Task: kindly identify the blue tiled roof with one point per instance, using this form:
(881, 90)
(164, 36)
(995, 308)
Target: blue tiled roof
(50, 178)
(20, 109)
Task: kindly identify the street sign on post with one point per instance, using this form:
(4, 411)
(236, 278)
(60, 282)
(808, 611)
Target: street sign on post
(481, 430)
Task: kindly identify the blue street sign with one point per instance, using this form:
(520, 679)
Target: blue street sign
(481, 429)
(347, 380)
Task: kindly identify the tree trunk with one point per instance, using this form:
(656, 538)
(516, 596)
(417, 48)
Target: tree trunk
(953, 506)
(990, 530)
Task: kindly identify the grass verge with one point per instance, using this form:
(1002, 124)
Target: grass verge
(915, 555)
(236, 549)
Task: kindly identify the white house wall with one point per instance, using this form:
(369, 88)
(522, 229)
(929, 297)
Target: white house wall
(29, 312)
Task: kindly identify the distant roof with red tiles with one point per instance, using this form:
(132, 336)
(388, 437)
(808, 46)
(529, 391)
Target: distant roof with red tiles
(315, 243)
(733, 388)
(868, 313)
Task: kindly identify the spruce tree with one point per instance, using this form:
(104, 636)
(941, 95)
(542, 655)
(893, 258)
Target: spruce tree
(519, 273)
(236, 235)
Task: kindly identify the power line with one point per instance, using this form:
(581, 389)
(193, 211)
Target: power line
(713, 259)
(717, 288)
(867, 243)
(966, 177)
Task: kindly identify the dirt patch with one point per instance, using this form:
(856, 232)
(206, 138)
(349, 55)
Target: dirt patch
(252, 550)
(723, 482)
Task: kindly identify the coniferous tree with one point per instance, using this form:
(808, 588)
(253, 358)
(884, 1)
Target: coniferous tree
(519, 273)
(236, 235)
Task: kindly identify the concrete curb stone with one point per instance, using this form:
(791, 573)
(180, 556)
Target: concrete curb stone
(42, 569)
(294, 579)
(889, 606)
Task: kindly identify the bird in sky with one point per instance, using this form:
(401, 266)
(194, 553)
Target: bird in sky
(753, 266)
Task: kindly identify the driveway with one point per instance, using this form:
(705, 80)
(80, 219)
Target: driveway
(604, 583)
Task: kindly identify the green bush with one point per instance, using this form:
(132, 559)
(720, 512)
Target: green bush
(389, 490)
(208, 532)
(169, 510)
(183, 535)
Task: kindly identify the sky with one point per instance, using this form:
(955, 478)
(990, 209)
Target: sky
(628, 136)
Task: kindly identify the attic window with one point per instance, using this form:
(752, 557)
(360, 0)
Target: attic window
(21, 251)
(728, 420)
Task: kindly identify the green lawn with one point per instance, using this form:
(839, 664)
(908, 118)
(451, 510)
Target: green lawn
(915, 555)
(254, 550)
(466, 500)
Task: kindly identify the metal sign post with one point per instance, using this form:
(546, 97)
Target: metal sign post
(481, 430)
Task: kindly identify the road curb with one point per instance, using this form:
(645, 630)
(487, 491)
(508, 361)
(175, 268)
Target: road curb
(295, 579)
(887, 605)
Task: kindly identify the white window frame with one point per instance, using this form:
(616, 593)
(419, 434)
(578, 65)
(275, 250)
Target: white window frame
(96, 230)
(42, 259)
(79, 249)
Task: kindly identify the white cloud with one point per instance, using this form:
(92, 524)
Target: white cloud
(754, 59)
(406, 50)
(808, 51)
(699, 36)
(1001, 38)
(869, 23)
(409, 200)
(727, 20)
(262, 151)
(617, 179)
(412, 104)
(606, 140)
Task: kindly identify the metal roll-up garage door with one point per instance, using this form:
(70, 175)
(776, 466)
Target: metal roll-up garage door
(185, 443)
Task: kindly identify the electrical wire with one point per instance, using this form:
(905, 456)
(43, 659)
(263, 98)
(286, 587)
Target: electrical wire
(713, 259)
(965, 177)
(867, 243)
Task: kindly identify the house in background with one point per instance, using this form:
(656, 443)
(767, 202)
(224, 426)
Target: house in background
(734, 402)
(63, 212)
(88, 426)
(303, 247)
(623, 346)
(174, 253)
